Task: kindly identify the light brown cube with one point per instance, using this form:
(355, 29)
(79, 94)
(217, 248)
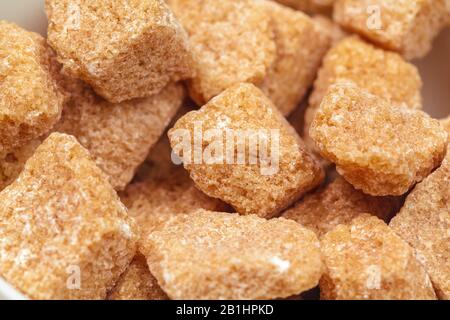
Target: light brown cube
(309, 6)
(212, 255)
(408, 26)
(239, 148)
(119, 136)
(137, 283)
(366, 260)
(300, 47)
(232, 42)
(384, 74)
(124, 49)
(65, 234)
(30, 101)
(424, 222)
(380, 149)
(339, 203)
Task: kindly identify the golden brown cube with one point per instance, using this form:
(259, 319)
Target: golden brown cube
(407, 26)
(119, 136)
(137, 283)
(212, 255)
(380, 149)
(339, 203)
(30, 101)
(384, 74)
(124, 49)
(309, 6)
(65, 234)
(240, 149)
(232, 42)
(300, 47)
(366, 260)
(424, 222)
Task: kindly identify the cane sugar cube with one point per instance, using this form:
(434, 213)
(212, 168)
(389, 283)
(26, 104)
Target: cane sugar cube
(165, 189)
(232, 42)
(137, 283)
(239, 148)
(380, 149)
(407, 26)
(309, 6)
(331, 28)
(366, 260)
(384, 74)
(12, 163)
(213, 255)
(339, 203)
(118, 135)
(30, 101)
(300, 47)
(124, 49)
(64, 232)
(424, 222)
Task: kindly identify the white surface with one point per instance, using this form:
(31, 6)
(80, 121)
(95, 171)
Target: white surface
(435, 70)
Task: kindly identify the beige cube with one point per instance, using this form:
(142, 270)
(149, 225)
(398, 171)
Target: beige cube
(379, 149)
(123, 48)
(424, 222)
(30, 101)
(366, 260)
(118, 135)
(240, 149)
(406, 26)
(65, 234)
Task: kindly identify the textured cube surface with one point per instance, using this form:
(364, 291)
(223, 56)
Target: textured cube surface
(310, 6)
(333, 30)
(30, 102)
(212, 255)
(424, 222)
(137, 283)
(300, 47)
(379, 149)
(232, 41)
(446, 124)
(382, 73)
(123, 48)
(12, 164)
(405, 26)
(64, 233)
(119, 136)
(165, 189)
(339, 203)
(367, 260)
(243, 175)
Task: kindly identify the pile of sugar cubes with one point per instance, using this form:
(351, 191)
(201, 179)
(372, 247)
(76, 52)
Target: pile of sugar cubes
(151, 150)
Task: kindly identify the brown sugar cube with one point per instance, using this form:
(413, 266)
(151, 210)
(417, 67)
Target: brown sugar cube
(339, 203)
(137, 283)
(12, 163)
(232, 42)
(380, 149)
(366, 260)
(119, 136)
(407, 27)
(30, 102)
(165, 189)
(309, 6)
(424, 222)
(212, 255)
(239, 148)
(384, 74)
(300, 47)
(124, 49)
(65, 234)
